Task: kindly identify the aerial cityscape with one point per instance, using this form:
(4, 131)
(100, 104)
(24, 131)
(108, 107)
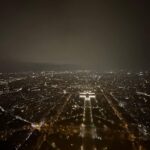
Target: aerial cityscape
(75, 110)
(74, 75)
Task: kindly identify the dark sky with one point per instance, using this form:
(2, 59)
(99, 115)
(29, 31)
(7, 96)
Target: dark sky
(103, 34)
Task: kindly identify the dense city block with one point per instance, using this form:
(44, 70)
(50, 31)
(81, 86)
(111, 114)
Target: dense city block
(79, 110)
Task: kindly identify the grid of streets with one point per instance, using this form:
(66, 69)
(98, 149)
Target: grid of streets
(80, 110)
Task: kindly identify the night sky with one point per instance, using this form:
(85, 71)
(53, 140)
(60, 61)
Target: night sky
(102, 34)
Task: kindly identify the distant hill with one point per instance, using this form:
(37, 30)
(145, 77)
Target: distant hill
(21, 66)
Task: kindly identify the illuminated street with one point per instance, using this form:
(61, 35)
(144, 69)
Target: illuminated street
(88, 129)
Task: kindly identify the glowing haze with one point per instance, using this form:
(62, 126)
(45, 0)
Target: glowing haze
(97, 34)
